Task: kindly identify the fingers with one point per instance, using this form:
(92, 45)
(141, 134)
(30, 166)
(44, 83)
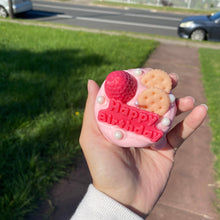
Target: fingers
(186, 127)
(89, 124)
(185, 104)
(174, 77)
(93, 89)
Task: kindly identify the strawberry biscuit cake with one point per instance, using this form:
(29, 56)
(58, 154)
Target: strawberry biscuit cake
(135, 108)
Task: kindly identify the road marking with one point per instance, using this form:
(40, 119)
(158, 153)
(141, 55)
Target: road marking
(77, 9)
(151, 16)
(126, 23)
(108, 12)
(64, 16)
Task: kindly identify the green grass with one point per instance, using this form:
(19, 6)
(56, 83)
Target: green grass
(210, 68)
(43, 77)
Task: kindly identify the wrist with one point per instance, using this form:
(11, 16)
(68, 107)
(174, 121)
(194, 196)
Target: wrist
(137, 212)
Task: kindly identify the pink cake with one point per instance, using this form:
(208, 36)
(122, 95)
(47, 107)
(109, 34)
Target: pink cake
(135, 108)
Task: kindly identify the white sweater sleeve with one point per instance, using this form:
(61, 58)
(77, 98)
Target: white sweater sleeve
(98, 206)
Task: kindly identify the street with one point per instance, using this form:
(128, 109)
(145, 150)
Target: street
(130, 20)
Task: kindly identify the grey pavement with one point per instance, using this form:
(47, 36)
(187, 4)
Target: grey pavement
(190, 192)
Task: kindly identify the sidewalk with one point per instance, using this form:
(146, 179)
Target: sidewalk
(189, 194)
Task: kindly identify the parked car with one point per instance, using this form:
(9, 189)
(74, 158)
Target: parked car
(203, 27)
(19, 6)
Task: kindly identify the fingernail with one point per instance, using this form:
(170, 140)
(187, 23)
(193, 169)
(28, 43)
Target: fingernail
(89, 85)
(206, 106)
(175, 75)
(191, 98)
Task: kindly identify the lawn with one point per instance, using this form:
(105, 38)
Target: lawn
(210, 68)
(43, 78)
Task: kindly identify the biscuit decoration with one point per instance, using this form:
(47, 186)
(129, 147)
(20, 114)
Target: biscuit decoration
(135, 108)
(157, 79)
(154, 100)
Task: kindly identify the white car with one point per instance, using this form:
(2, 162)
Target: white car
(19, 6)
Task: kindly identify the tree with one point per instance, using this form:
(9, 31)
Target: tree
(11, 13)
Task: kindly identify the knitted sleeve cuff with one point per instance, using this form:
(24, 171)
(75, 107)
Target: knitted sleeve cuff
(98, 206)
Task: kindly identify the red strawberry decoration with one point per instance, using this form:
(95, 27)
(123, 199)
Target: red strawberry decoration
(121, 86)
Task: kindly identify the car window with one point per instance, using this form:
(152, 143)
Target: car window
(215, 16)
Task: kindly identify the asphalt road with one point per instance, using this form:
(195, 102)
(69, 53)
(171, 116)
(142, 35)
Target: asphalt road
(131, 20)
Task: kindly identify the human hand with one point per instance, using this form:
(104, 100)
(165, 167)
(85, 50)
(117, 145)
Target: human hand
(135, 177)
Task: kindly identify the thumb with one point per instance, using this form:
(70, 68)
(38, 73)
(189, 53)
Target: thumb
(89, 125)
(93, 89)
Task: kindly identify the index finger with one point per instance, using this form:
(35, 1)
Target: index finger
(174, 77)
(186, 127)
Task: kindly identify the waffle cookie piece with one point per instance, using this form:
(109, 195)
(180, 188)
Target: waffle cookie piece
(135, 108)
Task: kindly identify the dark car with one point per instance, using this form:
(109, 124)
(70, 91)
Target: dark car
(203, 27)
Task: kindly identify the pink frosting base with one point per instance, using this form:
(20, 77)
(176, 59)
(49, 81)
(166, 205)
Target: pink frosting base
(131, 139)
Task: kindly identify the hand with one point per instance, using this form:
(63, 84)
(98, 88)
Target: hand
(135, 177)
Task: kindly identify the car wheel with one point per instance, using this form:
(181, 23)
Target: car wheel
(198, 34)
(3, 12)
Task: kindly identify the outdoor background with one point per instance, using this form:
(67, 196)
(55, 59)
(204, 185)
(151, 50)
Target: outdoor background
(43, 89)
(193, 4)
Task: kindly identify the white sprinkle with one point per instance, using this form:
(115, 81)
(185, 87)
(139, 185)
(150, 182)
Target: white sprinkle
(100, 99)
(172, 98)
(138, 72)
(165, 122)
(118, 135)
